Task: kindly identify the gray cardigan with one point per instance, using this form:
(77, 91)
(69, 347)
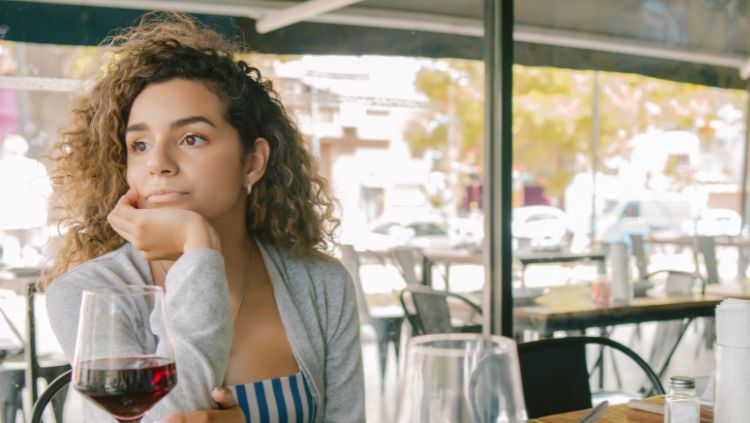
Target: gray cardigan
(316, 301)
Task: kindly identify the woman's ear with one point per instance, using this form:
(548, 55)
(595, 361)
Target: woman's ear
(256, 161)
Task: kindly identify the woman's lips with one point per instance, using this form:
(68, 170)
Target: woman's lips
(166, 197)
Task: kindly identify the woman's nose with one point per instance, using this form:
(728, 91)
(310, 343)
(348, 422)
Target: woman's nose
(161, 160)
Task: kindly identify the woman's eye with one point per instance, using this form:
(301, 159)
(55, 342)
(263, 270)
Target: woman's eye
(193, 139)
(138, 146)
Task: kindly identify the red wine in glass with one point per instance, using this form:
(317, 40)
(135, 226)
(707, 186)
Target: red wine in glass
(127, 387)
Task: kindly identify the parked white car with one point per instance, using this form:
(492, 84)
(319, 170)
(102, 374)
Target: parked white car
(418, 231)
(541, 228)
(645, 216)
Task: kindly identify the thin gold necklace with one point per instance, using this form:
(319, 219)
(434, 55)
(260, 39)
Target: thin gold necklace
(244, 289)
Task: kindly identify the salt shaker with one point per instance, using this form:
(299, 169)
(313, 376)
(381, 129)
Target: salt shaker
(682, 404)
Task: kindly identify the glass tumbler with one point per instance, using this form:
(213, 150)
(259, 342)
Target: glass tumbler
(461, 378)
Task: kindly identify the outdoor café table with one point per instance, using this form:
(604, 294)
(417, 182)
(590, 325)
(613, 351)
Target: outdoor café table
(576, 314)
(447, 257)
(691, 241)
(620, 413)
(581, 314)
(546, 257)
(742, 243)
(23, 282)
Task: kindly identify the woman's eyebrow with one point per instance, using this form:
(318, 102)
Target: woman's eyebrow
(192, 119)
(176, 124)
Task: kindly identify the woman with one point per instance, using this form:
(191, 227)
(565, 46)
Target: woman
(182, 169)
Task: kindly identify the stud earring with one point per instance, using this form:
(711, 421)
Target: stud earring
(249, 188)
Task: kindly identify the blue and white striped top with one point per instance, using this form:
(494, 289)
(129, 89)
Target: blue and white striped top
(281, 400)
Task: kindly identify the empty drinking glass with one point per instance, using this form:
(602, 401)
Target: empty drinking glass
(461, 378)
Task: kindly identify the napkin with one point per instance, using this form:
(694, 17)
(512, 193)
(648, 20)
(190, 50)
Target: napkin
(619, 260)
(732, 352)
(733, 323)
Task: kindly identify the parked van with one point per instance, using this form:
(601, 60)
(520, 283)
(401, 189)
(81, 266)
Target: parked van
(645, 217)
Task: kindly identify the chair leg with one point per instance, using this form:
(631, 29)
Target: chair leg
(709, 333)
(395, 337)
(11, 406)
(388, 331)
(381, 331)
(11, 400)
(58, 402)
(383, 356)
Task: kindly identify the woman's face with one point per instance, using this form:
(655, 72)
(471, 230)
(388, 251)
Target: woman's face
(181, 152)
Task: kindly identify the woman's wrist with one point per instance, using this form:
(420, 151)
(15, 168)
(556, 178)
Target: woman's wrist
(200, 234)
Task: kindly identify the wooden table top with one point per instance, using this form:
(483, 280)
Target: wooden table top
(620, 413)
(584, 307)
(537, 257)
(689, 241)
(453, 256)
(576, 313)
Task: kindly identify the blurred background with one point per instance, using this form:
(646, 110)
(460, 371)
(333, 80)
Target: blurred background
(629, 118)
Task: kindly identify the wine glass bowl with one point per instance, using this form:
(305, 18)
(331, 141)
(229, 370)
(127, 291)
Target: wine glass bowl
(124, 361)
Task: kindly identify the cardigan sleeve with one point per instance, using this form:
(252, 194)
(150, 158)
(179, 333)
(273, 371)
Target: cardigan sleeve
(198, 319)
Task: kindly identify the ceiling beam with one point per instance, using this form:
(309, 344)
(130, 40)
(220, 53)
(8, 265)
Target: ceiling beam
(430, 22)
(587, 41)
(297, 13)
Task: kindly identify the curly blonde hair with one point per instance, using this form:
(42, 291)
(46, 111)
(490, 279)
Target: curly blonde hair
(290, 207)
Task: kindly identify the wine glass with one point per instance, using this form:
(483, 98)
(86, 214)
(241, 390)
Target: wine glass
(123, 359)
(461, 378)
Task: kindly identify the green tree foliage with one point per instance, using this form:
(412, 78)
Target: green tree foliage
(551, 124)
(552, 116)
(454, 89)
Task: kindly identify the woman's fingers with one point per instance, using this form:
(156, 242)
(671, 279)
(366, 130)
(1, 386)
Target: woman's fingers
(223, 397)
(126, 205)
(122, 226)
(130, 198)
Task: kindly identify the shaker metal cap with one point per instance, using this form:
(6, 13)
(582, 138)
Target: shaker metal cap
(685, 382)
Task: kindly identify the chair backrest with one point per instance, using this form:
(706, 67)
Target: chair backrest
(707, 249)
(555, 373)
(639, 252)
(405, 257)
(350, 260)
(54, 394)
(680, 284)
(428, 310)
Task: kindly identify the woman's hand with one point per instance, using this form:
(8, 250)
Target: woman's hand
(228, 411)
(162, 233)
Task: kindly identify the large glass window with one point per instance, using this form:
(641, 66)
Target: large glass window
(399, 139)
(630, 123)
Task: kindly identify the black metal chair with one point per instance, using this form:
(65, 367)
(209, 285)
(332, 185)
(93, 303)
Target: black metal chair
(11, 385)
(407, 263)
(56, 394)
(669, 334)
(432, 311)
(556, 376)
(639, 252)
(13, 372)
